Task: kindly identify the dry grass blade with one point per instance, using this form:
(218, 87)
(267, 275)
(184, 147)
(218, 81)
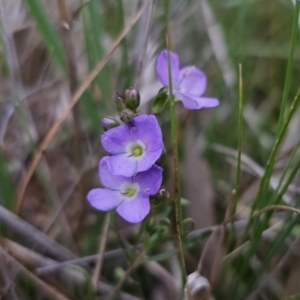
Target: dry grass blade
(165, 278)
(102, 244)
(55, 127)
(36, 237)
(65, 276)
(41, 285)
(276, 207)
(212, 257)
(230, 206)
(144, 48)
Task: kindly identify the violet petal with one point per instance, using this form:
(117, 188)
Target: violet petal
(104, 199)
(149, 132)
(135, 210)
(149, 181)
(192, 102)
(115, 139)
(192, 81)
(107, 178)
(123, 165)
(162, 68)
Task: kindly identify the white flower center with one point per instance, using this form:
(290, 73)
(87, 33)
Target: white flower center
(129, 191)
(136, 149)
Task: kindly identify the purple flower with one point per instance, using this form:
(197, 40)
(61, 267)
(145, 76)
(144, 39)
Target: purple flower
(188, 83)
(133, 147)
(130, 195)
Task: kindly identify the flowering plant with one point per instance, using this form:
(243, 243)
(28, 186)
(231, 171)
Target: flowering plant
(130, 195)
(133, 147)
(189, 83)
(129, 174)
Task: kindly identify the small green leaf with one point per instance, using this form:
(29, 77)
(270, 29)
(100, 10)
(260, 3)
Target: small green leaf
(188, 225)
(160, 101)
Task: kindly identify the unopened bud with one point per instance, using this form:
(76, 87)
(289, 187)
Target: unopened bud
(164, 193)
(120, 102)
(108, 123)
(132, 98)
(127, 115)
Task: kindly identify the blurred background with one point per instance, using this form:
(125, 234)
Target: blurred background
(61, 62)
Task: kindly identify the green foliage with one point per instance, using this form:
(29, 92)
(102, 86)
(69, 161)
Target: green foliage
(47, 30)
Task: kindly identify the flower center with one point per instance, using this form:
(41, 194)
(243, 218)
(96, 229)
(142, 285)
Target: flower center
(130, 191)
(136, 150)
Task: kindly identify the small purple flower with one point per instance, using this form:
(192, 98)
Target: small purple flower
(188, 83)
(130, 195)
(133, 147)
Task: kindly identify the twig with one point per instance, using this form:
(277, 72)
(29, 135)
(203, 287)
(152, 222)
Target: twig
(102, 244)
(91, 259)
(31, 234)
(47, 289)
(38, 261)
(55, 127)
(9, 285)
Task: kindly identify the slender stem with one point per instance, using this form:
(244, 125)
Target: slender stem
(288, 75)
(177, 195)
(259, 201)
(259, 227)
(270, 163)
(232, 205)
(240, 134)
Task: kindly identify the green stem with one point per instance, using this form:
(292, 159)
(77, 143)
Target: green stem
(259, 226)
(240, 134)
(178, 211)
(288, 75)
(259, 201)
(270, 163)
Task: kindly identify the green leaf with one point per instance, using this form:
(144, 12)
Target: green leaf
(48, 32)
(160, 101)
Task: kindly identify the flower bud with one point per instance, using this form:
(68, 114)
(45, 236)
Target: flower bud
(132, 98)
(127, 115)
(108, 123)
(120, 102)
